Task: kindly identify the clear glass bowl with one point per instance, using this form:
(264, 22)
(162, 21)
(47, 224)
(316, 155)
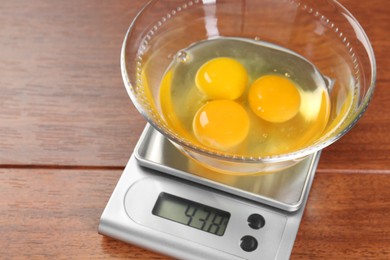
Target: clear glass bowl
(322, 31)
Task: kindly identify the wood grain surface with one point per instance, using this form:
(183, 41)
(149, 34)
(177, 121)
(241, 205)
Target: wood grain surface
(67, 129)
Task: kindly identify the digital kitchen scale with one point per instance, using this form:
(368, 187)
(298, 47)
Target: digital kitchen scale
(167, 203)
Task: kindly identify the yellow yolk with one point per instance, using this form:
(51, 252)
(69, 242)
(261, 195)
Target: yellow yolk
(221, 124)
(274, 98)
(222, 78)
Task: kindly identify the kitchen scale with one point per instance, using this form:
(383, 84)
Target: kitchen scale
(167, 203)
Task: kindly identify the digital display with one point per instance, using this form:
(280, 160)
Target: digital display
(191, 214)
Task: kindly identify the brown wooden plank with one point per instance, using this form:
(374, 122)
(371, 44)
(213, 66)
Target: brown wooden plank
(61, 91)
(347, 217)
(54, 214)
(367, 145)
(50, 213)
(63, 100)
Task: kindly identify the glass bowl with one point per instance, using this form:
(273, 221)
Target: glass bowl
(321, 31)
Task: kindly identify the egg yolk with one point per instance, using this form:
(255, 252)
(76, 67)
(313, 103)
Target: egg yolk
(221, 124)
(222, 78)
(274, 98)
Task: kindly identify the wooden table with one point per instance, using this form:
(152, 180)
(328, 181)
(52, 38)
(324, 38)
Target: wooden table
(67, 129)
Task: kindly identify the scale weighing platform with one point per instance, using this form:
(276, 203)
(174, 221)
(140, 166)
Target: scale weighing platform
(167, 203)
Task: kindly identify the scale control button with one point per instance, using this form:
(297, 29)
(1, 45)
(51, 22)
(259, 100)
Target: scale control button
(256, 221)
(248, 243)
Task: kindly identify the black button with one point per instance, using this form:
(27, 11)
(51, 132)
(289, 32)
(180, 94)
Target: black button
(248, 243)
(256, 221)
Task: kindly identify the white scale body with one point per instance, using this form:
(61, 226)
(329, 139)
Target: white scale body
(259, 215)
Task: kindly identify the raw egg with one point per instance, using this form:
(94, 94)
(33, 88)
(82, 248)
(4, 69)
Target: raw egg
(221, 124)
(222, 78)
(274, 98)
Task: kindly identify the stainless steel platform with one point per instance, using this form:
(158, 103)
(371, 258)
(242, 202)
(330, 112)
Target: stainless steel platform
(283, 190)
